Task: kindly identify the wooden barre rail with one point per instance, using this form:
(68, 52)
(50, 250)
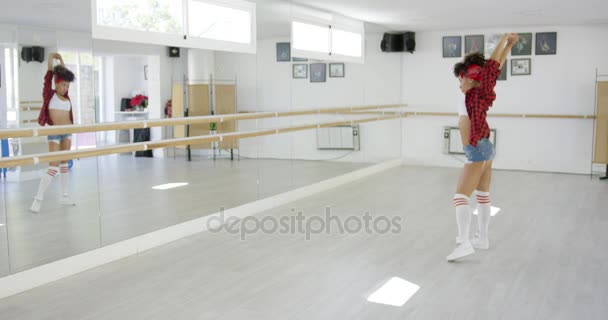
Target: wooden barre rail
(496, 115)
(506, 115)
(141, 124)
(148, 145)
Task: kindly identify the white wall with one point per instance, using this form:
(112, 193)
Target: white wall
(267, 85)
(559, 84)
(170, 68)
(167, 69)
(128, 77)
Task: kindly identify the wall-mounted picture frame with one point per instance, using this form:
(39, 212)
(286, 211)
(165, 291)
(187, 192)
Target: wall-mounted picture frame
(474, 43)
(294, 59)
(523, 47)
(492, 42)
(452, 47)
(336, 70)
(146, 72)
(503, 71)
(300, 71)
(318, 72)
(546, 43)
(521, 67)
(283, 51)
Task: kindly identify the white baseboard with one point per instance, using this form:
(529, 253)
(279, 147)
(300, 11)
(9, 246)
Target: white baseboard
(29, 279)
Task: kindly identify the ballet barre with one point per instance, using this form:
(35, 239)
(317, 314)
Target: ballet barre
(126, 125)
(148, 145)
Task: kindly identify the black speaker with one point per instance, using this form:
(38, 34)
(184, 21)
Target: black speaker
(409, 40)
(173, 52)
(398, 42)
(38, 54)
(392, 42)
(125, 104)
(26, 54)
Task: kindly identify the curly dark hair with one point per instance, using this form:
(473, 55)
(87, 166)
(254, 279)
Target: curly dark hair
(64, 73)
(475, 58)
(459, 68)
(471, 58)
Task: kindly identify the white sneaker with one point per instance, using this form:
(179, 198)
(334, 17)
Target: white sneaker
(479, 243)
(36, 206)
(66, 200)
(461, 251)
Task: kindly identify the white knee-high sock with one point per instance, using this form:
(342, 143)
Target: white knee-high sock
(484, 211)
(463, 216)
(64, 178)
(45, 182)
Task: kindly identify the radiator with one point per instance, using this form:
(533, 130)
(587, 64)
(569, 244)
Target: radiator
(452, 143)
(338, 138)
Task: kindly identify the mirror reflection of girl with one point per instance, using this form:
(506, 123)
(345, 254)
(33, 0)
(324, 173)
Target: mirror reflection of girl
(56, 110)
(477, 78)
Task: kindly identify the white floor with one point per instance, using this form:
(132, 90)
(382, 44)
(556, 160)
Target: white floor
(547, 261)
(115, 201)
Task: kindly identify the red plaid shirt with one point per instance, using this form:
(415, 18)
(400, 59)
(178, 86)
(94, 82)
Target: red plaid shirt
(47, 95)
(479, 100)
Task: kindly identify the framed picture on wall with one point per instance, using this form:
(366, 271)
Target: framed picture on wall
(523, 47)
(294, 59)
(546, 43)
(492, 42)
(300, 71)
(521, 67)
(452, 47)
(318, 72)
(503, 71)
(473, 44)
(283, 51)
(336, 70)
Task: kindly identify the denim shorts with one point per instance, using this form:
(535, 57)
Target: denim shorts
(483, 152)
(59, 137)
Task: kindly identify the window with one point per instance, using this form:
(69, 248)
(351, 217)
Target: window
(218, 22)
(82, 93)
(12, 84)
(342, 41)
(227, 25)
(163, 16)
(346, 43)
(310, 37)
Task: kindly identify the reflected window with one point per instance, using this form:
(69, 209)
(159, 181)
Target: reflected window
(346, 43)
(82, 94)
(218, 22)
(396, 292)
(164, 16)
(310, 37)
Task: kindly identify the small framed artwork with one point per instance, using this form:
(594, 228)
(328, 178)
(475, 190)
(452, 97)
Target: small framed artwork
(283, 51)
(336, 70)
(318, 72)
(294, 59)
(546, 43)
(523, 47)
(452, 47)
(521, 67)
(492, 43)
(503, 72)
(473, 44)
(146, 72)
(300, 71)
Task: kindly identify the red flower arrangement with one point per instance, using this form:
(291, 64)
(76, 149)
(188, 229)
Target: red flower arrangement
(139, 100)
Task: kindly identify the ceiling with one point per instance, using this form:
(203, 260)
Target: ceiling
(421, 15)
(415, 15)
